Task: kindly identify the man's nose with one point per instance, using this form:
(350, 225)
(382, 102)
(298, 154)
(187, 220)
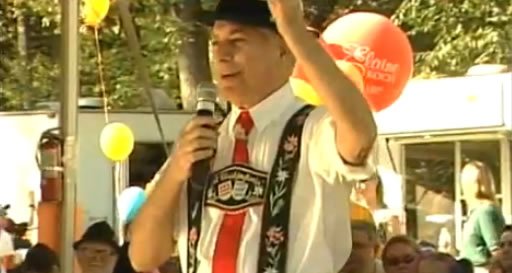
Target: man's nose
(223, 52)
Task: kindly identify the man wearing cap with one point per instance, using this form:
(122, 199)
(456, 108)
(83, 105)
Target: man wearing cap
(97, 251)
(271, 203)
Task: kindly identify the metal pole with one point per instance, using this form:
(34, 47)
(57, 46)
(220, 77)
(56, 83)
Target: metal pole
(68, 121)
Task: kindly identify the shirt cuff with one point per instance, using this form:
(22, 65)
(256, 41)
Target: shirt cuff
(328, 162)
(356, 173)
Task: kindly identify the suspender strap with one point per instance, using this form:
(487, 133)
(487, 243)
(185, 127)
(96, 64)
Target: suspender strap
(276, 209)
(273, 248)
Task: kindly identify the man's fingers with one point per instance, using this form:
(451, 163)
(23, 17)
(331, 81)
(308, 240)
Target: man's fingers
(201, 132)
(200, 121)
(200, 155)
(200, 144)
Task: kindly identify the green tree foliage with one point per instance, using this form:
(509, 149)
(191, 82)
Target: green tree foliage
(448, 36)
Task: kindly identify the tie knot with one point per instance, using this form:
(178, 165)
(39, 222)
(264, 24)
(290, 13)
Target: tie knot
(244, 124)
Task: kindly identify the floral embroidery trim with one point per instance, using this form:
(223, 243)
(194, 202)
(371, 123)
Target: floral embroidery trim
(274, 234)
(276, 213)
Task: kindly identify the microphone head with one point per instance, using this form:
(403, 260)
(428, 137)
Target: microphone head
(206, 91)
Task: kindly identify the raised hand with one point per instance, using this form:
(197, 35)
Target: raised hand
(286, 12)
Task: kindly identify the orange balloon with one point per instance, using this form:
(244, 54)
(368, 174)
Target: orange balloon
(379, 48)
(303, 89)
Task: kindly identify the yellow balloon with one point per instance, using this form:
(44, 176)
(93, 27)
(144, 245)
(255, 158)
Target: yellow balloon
(304, 90)
(117, 141)
(91, 20)
(95, 11)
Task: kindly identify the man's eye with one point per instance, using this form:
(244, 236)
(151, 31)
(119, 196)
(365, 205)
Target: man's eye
(237, 40)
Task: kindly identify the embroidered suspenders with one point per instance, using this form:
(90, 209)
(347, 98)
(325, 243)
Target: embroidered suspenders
(241, 183)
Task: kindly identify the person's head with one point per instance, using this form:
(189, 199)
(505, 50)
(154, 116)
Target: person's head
(401, 255)
(477, 181)
(370, 189)
(364, 248)
(506, 248)
(439, 263)
(97, 251)
(466, 265)
(41, 259)
(251, 59)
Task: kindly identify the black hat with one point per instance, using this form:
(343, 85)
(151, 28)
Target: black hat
(40, 258)
(100, 232)
(247, 12)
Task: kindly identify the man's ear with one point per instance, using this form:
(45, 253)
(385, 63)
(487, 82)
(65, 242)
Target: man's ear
(284, 51)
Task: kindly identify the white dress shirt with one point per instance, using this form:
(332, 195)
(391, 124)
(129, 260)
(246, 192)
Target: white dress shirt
(319, 229)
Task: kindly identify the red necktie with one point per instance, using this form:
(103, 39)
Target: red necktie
(228, 239)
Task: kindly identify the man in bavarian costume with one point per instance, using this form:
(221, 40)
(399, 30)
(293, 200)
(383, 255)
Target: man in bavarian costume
(271, 203)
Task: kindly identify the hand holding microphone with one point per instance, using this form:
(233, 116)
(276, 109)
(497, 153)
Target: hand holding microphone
(197, 144)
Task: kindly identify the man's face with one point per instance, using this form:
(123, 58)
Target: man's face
(506, 250)
(362, 256)
(96, 257)
(248, 61)
(400, 258)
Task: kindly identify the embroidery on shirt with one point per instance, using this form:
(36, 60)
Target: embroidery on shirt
(275, 194)
(276, 212)
(236, 187)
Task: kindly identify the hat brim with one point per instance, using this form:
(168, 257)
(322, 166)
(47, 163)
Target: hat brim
(112, 244)
(208, 18)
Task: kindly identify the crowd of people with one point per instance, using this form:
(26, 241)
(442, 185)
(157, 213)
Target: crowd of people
(486, 245)
(402, 254)
(490, 249)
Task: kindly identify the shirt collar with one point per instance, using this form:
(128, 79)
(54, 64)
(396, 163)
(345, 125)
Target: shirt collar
(267, 110)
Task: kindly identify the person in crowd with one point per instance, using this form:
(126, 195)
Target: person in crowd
(401, 255)
(439, 262)
(505, 253)
(481, 233)
(97, 251)
(363, 257)
(7, 253)
(465, 265)
(251, 223)
(39, 259)
(370, 194)
(427, 247)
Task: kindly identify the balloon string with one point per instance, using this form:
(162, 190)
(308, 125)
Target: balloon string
(100, 72)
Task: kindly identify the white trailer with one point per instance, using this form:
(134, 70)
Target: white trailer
(20, 175)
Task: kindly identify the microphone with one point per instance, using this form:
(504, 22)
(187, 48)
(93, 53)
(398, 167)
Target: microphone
(206, 102)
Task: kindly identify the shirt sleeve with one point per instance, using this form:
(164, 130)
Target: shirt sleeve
(491, 225)
(324, 158)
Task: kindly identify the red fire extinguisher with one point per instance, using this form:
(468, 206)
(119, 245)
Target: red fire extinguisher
(49, 159)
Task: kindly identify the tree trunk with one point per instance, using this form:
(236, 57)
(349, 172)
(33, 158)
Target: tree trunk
(193, 61)
(23, 71)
